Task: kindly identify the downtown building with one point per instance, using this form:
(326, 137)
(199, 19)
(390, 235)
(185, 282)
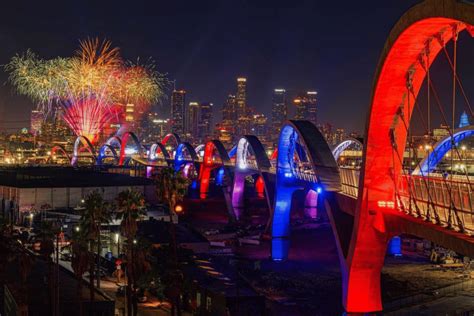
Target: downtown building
(279, 113)
(178, 112)
(306, 107)
(199, 122)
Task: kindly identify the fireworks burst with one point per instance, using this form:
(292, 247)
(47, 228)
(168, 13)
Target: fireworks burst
(90, 86)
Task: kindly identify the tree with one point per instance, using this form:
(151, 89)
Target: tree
(172, 187)
(131, 205)
(96, 211)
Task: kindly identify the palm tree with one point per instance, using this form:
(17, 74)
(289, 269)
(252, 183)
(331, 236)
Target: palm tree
(79, 263)
(96, 212)
(130, 206)
(172, 187)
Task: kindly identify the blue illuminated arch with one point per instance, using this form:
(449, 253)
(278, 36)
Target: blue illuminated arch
(102, 153)
(429, 163)
(180, 159)
(323, 165)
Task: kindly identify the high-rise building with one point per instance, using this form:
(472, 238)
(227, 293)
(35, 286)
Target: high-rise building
(306, 108)
(205, 121)
(178, 111)
(229, 112)
(192, 119)
(36, 118)
(259, 127)
(241, 97)
(279, 112)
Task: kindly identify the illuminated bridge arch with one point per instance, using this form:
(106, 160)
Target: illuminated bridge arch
(173, 138)
(62, 150)
(184, 162)
(248, 146)
(103, 153)
(155, 150)
(124, 143)
(323, 176)
(412, 46)
(82, 140)
(345, 144)
(215, 156)
(429, 163)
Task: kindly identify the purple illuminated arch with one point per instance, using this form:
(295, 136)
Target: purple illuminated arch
(249, 145)
(323, 165)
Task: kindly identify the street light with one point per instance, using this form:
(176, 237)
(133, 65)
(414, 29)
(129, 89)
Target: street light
(178, 209)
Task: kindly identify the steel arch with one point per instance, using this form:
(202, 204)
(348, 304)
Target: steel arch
(179, 158)
(208, 164)
(123, 146)
(241, 170)
(102, 155)
(156, 148)
(323, 164)
(342, 146)
(85, 141)
(429, 163)
(62, 149)
(416, 35)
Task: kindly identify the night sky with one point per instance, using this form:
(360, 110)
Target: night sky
(328, 46)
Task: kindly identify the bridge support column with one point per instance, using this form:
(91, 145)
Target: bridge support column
(361, 280)
(281, 223)
(204, 183)
(311, 204)
(238, 203)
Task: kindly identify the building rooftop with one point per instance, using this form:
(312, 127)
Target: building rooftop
(60, 177)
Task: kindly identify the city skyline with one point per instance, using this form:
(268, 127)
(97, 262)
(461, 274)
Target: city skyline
(270, 38)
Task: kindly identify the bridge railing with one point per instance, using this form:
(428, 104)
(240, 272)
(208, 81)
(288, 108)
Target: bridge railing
(451, 201)
(350, 181)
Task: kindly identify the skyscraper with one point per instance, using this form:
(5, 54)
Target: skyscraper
(279, 112)
(306, 108)
(178, 113)
(205, 121)
(229, 112)
(241, 97)
(192, 119)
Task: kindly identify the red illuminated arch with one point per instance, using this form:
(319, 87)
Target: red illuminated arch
(61, 149)
(123, 146)
(417, 29)
(209, 163)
